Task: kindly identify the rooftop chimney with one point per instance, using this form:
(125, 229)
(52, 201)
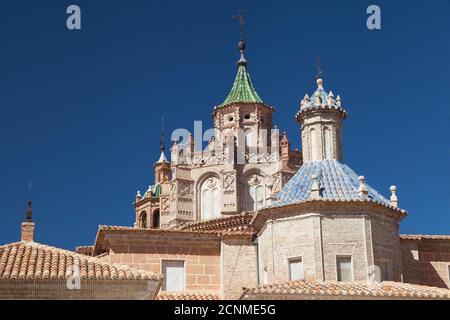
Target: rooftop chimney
(28, 225)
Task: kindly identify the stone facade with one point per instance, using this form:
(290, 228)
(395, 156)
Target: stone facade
(426, 260)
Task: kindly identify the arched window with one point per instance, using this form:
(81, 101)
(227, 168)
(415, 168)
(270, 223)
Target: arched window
(313, 144)
(155, 222)
(210, 203)
(143, 220)
(256, 193)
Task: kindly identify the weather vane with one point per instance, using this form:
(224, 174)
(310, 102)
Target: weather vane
(319, 68)
(241, 18)
(30, 186)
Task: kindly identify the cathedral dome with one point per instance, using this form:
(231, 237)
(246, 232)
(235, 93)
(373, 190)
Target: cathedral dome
(335, 180)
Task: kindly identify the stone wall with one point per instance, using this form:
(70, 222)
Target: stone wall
(426, 261)
(238, 265)
(319, 238)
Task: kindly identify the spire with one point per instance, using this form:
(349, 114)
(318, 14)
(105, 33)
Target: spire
(242, 90)
(162, 145)
(241, 44)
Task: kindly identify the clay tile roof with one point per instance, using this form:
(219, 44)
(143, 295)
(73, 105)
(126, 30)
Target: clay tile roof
(31, 260)
(187, 296)
(424, 236)
(239, 222)
(362, 289)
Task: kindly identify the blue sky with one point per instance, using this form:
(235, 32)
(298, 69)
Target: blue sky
(80, 110)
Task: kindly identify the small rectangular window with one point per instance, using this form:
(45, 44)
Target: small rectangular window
(173, 275)
(344, 268)
(296, 269)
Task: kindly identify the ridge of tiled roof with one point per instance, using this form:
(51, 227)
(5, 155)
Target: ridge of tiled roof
(424, 236)
(32, 260)
(150, 230)
(239, 222)
(187, 296)
(357, 289)
(336, 182)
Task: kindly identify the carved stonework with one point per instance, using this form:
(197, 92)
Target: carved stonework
(228, 181)
(254, 180)
(185, 189)
(276, 183)
(173, 191)
(165, 205)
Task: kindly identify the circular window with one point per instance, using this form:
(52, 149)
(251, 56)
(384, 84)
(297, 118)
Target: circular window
(247, 116)
(230, 118)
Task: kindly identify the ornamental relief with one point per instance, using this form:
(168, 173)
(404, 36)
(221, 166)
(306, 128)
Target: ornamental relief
(165, 205)
(255, 180)
(228, 181)
(185, 189)
(276, 183)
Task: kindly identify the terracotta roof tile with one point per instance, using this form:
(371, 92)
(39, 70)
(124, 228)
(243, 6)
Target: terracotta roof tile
(424, 236)
(31, 260)
(239, 222)
(187, 296)
(386, 289)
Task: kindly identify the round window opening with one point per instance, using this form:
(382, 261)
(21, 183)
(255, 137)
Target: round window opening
(247, 116)
(230, 118)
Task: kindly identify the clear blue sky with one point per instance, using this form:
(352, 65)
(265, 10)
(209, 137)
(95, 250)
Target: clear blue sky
(80, 110)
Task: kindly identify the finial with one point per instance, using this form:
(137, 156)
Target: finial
(319, 82)
(29, 203)
(362, 189)
(394, 198)
(338, 100)
(29, 211)
(138, 195)
(315, 190)
(241, 44)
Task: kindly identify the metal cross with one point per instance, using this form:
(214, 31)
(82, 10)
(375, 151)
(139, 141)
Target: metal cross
(319, 68)
(162, 137)
(30, 186)
(241, 18)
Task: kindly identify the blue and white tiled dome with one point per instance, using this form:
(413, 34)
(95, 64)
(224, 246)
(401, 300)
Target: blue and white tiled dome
(336, 182)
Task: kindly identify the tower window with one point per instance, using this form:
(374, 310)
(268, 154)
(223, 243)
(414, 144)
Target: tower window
(155, 222)
(143, 220)
(247, 116)
(344, 268)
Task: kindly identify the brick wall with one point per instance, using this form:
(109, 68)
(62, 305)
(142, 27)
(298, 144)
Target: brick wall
(426, 262)
(200, 253)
